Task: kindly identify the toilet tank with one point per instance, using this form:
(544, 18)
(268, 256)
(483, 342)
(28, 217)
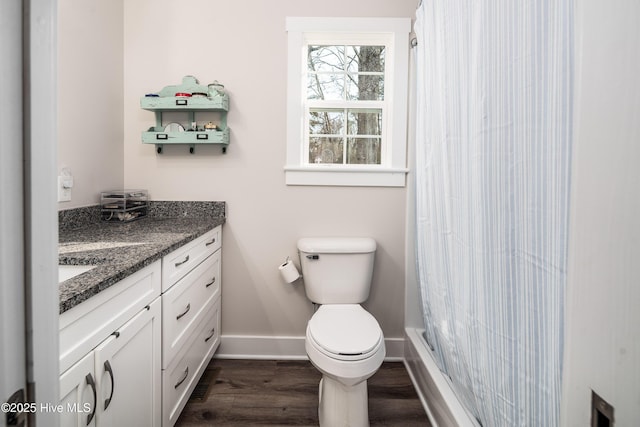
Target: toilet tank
(337, 270)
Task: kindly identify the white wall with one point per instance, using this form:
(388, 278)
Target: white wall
(603, 306)
(243, 45)
(90, 93)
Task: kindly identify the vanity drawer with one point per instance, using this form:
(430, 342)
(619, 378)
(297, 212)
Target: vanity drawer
(87, 324)
(182, 375)
(179, 262)
(185, 304)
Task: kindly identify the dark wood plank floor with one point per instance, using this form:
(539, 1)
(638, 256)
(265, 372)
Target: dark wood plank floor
(285, 393)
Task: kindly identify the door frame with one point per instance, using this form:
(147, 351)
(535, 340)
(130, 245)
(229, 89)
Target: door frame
(13, 358)
(40, 206)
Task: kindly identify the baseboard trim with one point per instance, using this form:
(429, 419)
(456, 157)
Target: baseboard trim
(284, 348)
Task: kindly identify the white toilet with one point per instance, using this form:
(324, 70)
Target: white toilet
(343, 340)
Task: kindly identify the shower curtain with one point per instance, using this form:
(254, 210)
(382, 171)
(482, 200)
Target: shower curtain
(493, 155)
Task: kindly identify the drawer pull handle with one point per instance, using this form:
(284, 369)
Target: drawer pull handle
(107, 367)
(211, 242)
(92, 383)
(213, 332)
(181, 315)
(213, 280)
(186, 374)
(178, 264)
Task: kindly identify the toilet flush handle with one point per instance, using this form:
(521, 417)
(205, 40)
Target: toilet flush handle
(314, 257)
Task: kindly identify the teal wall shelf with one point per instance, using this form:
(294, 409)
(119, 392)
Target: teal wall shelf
(210, 98)
(160, 137)
(172, 103)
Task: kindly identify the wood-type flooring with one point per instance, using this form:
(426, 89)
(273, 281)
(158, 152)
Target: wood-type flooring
(285, 393)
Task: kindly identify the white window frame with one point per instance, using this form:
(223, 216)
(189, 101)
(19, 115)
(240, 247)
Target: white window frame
(390, 32)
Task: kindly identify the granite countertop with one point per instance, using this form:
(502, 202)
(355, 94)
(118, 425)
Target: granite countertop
(120, 249)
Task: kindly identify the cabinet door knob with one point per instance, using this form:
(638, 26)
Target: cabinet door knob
(186, 374)
(213, 280)
(92, 383)
(211, 242)
(181, 315)
(107, 368)
(213, 332)
(178, 264)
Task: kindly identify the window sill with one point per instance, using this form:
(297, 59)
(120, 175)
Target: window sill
(348, 177)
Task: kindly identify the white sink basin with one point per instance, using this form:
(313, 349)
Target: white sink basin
(66, 272)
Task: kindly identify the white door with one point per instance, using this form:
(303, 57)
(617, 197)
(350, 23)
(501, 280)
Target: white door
(28, 230)
(12, 280)
(128, 372)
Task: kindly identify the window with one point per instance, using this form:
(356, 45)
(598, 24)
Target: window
(347, 101)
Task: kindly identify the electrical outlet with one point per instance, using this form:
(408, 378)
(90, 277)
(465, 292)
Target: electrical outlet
(64, 188)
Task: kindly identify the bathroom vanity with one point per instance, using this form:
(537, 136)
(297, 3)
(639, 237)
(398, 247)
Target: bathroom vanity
(139, 326)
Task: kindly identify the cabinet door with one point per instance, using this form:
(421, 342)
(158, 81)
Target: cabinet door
(78, 394)
(128, 372)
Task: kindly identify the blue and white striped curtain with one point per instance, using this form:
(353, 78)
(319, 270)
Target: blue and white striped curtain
(493, 157)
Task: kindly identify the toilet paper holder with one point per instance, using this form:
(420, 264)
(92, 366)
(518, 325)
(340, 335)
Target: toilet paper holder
(289, 271)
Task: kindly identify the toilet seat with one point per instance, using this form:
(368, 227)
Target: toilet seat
(344, 332)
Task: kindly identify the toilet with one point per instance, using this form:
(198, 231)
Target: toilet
(343, 341)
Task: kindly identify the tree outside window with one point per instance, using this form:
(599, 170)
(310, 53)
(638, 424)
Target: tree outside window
(345, 92)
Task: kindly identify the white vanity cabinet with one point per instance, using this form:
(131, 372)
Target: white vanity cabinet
(132, 354)
(190, 318)
(117, 381)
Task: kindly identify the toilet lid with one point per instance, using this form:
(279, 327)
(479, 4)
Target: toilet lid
(345, 330)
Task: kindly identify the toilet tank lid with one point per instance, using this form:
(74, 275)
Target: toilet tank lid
(338, 245)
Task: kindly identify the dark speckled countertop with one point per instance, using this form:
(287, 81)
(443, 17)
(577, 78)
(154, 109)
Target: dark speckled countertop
(119, 250)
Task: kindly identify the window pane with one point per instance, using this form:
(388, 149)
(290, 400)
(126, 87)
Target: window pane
(329, 87)
(363, 151)
(325, 150)
(365, 122)
(325, 58)
(365, 59)
(345, 73)
(327, 122)
(365, 87)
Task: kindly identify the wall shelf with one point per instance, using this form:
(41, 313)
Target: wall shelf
(192, 138)
(207, 99)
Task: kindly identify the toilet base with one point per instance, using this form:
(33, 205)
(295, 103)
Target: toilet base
(342, 406)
